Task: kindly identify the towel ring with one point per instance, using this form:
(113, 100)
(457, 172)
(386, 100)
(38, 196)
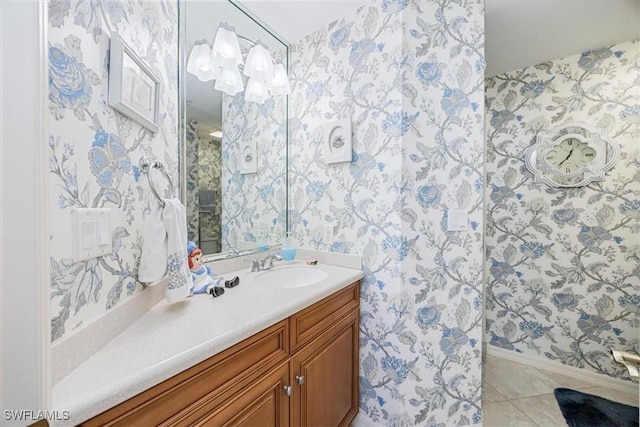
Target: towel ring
(145, 167)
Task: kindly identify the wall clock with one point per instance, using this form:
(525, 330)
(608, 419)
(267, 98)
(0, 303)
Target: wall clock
(571, 155)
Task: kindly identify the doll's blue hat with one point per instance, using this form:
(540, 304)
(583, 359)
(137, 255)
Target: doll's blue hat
(190, 247)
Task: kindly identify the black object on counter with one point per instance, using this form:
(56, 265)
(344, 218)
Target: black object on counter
(232, 283)
(216, 291)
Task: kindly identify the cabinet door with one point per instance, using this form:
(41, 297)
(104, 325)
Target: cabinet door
(265, 404)
(327, 369)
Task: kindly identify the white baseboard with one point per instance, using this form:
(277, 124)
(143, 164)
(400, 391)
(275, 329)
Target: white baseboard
(560, 368)
(361, 420)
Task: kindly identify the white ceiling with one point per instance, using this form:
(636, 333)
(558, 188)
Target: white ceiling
(294, 19)
(518, 33)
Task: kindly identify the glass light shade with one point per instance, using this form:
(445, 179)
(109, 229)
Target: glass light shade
(199, 63)
(259, 64)
(280, 83)
(216, 134)
(225, 52)
(256, 91)
(229, 81)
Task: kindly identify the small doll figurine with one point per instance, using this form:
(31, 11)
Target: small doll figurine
(203, 278)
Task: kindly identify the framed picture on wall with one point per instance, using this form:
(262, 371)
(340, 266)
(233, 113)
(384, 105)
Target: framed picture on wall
(337, 141)
(248, 157)
(133, 87)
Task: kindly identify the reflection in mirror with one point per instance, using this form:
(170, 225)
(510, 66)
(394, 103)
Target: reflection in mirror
(234, 146)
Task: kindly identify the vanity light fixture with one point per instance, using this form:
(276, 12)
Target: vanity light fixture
(199, 62)
(225, 51)
(280, 83)
(259, 63)
(221, 63)
(256, 91)
(230, 81)
(216, 134)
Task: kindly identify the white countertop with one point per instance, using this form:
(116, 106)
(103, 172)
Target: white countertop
(171, 338)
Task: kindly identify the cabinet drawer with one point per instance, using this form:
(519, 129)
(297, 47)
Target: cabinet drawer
(263, 404)
(246, 360)
(312, 321)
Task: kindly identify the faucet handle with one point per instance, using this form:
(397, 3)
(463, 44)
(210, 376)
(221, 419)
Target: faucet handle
(255, 264)
(267, 262)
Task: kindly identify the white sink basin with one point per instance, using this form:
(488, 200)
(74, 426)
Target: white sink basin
(291, 277)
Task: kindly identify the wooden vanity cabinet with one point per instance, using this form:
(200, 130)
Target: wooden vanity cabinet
(325, 372)
(324, 363)
(302, 371)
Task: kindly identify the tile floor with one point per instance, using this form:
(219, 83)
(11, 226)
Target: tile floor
(517, 395)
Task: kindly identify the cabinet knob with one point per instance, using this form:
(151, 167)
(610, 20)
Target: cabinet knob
(300, 379)
(288, 390)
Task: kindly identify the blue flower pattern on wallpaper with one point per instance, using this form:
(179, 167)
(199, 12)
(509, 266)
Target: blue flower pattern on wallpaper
(70, 82)
(254, 205)
(409, 76)
(108, 158)
(93, 149)
(564, 263)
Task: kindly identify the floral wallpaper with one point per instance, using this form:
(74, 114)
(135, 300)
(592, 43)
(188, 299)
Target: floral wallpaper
(94, 151)
(410, 77)
(564, 264)
(254, 204)
(203, 170)
(191, 180)
(209, 172)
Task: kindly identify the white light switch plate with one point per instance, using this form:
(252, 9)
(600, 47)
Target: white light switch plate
(91, 233)
(457, 220)
(327, 234)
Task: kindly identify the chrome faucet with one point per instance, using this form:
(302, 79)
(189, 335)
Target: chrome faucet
(255, 264)
(267, 262)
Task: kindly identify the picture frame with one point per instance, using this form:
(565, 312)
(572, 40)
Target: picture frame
(337, 141)
(133, 88)
(248, 157)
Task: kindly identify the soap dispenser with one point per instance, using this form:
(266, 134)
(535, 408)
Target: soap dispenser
(288, 249)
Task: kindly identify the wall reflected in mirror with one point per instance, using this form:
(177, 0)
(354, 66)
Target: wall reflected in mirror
(234, 150)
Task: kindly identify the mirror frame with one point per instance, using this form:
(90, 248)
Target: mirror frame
(182, 125)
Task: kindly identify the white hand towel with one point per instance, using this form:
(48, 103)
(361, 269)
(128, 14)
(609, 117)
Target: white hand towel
(153, 260)
(174, 216)
(164, 250)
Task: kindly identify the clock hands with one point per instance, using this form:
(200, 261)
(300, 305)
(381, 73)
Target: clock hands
(566, 158)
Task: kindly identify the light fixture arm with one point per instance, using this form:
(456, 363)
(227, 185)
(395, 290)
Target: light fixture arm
(246, 39)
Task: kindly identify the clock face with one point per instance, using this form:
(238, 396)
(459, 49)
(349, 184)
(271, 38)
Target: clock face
(570, 155)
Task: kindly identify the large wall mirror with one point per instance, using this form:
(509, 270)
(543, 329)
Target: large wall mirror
(234, 146)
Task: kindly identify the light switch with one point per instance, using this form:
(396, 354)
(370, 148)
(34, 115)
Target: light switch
(103, 232)
(91, 233)
(457, 220)
(88, 234)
